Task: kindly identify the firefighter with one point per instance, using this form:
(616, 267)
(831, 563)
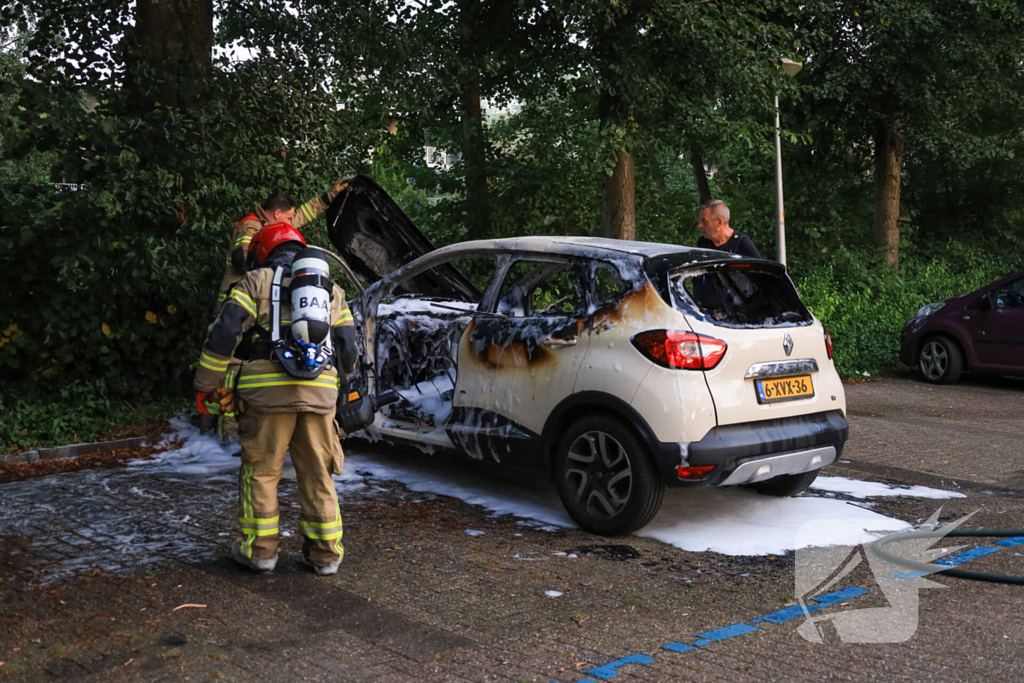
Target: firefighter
(278, 208)
(293, 332)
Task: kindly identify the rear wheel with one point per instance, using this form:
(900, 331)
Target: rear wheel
(605, 477)
(941, 361)
(787, 484)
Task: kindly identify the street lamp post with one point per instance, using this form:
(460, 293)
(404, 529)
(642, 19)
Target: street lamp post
(790, 68)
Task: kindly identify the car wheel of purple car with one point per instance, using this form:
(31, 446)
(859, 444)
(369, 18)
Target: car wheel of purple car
(941, 361)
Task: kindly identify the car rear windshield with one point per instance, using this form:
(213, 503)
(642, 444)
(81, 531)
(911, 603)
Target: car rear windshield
(738, 294)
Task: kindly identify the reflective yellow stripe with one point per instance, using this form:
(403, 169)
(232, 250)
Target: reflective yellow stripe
(345, 317)
(222, 296)
(214, 361)
(308, 212)
(325, 531)
(283, 383)
(284, 375)
(206, 365)
(244, 239)
(321, 537)
(245, 301)
(246, 493)
(260, 520)
(326, 381)
(320, 525)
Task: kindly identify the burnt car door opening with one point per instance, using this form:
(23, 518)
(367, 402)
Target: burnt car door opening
(520, 359)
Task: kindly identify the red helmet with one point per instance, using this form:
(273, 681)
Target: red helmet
(269, 237)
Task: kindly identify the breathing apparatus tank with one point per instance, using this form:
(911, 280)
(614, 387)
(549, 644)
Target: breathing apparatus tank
(307, 351)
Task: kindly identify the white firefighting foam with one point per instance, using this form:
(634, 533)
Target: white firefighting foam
(856, 488)
(731, 521)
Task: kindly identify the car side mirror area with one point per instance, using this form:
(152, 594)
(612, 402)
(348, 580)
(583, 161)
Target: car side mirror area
(985, 302)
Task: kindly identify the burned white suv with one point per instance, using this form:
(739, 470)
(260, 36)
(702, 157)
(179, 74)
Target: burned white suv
(616, 368)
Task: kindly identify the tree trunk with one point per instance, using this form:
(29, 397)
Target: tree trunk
(176, 42)
(619, 200)
(700, 175)
(475, 160)
(619, 195)
(474, 157)
(888, 166)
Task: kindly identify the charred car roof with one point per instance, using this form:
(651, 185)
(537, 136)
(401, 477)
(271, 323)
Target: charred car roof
(376, 238)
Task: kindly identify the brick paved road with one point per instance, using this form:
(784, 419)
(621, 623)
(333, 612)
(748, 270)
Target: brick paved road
(93, 564)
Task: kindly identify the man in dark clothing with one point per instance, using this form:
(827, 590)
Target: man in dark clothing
(716, 233)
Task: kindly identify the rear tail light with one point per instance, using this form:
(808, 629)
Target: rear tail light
(695, 473)
(828, 343)
(683, 350)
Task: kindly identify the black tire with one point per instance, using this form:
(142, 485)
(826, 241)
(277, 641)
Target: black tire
(628, 490)
(940, 360)
(787, 484)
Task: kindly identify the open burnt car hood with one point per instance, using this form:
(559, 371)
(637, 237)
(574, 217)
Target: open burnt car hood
(376, 238)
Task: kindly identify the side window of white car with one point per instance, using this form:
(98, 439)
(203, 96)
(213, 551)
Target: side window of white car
(608, 287)
(540, 288)
(1011, 295)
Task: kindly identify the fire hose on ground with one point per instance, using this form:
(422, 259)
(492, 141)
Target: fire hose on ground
(880, 544)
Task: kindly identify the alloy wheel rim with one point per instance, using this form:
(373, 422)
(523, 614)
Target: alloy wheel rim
(934, 360)
(599, 474)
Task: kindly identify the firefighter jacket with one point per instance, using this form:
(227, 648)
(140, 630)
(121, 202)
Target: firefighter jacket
(262, 384)
(250, 225)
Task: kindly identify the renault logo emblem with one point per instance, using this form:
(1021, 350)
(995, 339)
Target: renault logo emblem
(787, 344)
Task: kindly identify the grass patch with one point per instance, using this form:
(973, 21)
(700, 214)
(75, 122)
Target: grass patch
(78, 412)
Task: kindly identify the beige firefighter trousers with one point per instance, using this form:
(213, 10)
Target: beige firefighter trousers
(316, 453)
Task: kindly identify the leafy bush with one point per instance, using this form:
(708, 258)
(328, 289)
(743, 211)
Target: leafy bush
(117, 281)
(77, 411)
(865, 307)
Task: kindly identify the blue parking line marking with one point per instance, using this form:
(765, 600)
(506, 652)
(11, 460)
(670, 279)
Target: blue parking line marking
(612, 668)
(789, 613)
(827, 599)
(906, 575)
(796, 611)
(1011, 541)
(726, 632)
(967, 556)
(677, 647)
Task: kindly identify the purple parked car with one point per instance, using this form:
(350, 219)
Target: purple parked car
(980, 332)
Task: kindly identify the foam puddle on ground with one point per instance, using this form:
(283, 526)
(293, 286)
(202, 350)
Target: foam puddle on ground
(730, 521)
(873, 489)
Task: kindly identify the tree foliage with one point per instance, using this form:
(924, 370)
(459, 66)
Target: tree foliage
(115, 282)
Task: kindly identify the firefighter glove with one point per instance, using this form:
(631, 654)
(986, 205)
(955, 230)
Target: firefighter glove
(226, 399)
(339, 186)
(201, 402)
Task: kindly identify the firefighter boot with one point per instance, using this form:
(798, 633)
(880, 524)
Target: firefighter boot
(253, 563)
(328, 569)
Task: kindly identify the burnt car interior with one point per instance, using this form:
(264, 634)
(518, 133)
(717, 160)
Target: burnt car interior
(540, 288)
(418, 337)
(739, 294)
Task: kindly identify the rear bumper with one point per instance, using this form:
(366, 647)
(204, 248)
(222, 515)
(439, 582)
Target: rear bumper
(741, 453)
(760, 469)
